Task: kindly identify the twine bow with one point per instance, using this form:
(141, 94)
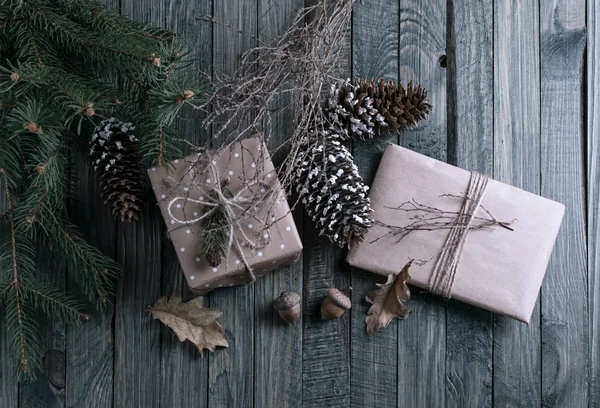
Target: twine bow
(231, 205)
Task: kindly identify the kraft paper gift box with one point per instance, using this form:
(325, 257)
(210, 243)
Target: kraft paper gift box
(185, 178)
(499, 269)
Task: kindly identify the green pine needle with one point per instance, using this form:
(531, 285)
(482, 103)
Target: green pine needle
(64, 66)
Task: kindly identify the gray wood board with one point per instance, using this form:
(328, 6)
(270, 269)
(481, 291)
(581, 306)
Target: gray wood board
(231, 370)
(326, 344)
(137, 361)
(593, 196)
(90, 346)
(184, 372)
(374, 357)
(48, 389)
(9, 385)
(470, 138)
(517, 357)
(278, 347)
(422, 337)
(565, 342)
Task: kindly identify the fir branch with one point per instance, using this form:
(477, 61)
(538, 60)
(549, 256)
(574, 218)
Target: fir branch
(52, 301)
(24, 337)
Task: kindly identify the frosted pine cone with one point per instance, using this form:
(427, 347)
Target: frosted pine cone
(359, 109)
(115, 155)
(332, 191)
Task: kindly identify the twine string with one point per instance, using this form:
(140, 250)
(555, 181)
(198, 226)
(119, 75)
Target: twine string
(444, 272)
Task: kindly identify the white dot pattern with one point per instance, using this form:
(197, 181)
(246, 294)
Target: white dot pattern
(182, 249)
(230, 173)
(153, 168)
(198, 259)
(282, 246)
(187, 231)
(214, 269)
(192, 277)
(236, 155)
(288, 228)
(260, 254)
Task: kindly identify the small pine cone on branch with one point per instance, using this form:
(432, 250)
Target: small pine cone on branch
(115, 155)
(361, 108)
(332, 191)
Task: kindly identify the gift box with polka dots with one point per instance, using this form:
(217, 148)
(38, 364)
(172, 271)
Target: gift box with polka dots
(181, 188)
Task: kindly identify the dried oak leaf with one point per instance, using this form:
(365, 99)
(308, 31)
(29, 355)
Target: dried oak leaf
(191, 321)
(387, 301)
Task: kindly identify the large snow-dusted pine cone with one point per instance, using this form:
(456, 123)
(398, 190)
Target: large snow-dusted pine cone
(361, 107)
(331, 189)
(115, 156)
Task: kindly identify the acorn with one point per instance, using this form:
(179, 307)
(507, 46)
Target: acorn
(288, 306)
(335, 304)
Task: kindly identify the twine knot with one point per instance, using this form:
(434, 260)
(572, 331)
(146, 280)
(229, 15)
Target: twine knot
(445, 269)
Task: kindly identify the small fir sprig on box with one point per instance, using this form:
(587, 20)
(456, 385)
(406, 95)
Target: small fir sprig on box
(66, 65)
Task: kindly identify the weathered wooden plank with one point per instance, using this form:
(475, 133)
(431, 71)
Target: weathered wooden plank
(89, 348)
(565, 342)
(593, 196)
(231, 371)
(89, 351)
(137, 361)
(184, 380)
(326, 345)
(422, 337)
(48, 389)
(374, 366)
(470, 141)
(9, 386)
(517, 359)
(278, 348)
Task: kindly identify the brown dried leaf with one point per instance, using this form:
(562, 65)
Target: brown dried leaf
(387, 301)
(191, 321)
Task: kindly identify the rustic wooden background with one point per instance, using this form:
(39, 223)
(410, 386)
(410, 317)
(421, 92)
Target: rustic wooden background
(515, 93)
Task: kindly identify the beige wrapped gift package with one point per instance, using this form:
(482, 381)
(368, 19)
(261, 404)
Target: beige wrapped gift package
(499, 269)
(243, 163)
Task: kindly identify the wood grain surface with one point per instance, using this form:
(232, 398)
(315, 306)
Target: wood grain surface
(515, 96)
(278, 348)
(326, 345)
(374, 357)
(470, 126)
(593, 196)
(422, 337)
(517, 359)
(565, 325)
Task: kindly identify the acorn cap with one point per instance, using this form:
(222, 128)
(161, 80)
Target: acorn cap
(339, 298)
(286, 300)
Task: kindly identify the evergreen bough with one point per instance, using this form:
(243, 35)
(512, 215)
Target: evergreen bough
(64, 66)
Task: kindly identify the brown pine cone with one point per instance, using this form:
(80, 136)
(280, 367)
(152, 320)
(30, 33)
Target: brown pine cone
(359, 109)
(115, 155)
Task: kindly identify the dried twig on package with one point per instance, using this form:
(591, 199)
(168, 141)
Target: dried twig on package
(299, 64)
(427, 218)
